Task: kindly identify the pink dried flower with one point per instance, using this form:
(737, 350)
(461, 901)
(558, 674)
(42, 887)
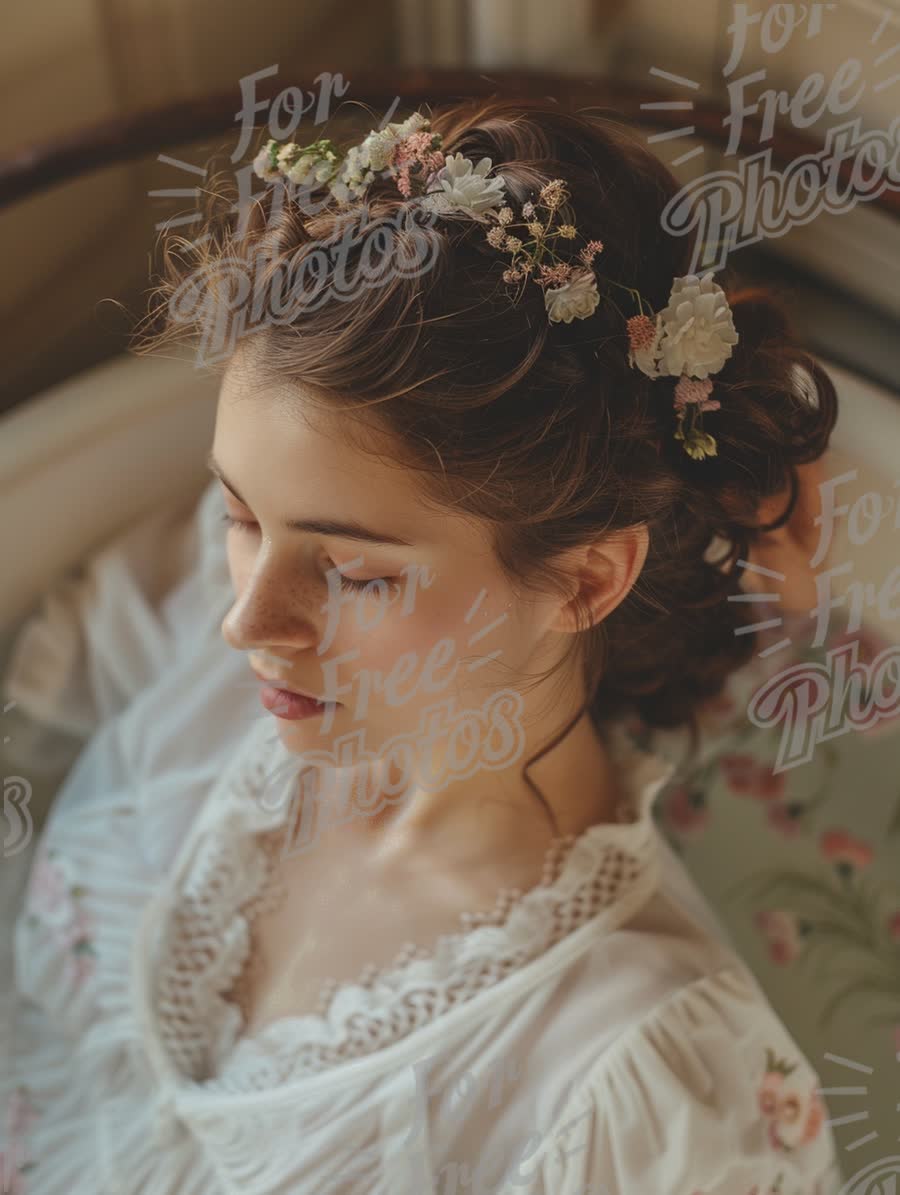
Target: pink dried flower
(590, 251)
(641, 333)
(415, 150)
(695, 390)
(557, 275)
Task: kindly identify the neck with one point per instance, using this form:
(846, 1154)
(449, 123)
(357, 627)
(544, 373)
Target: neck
(490, 810)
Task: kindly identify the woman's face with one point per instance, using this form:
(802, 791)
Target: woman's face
(397, 611)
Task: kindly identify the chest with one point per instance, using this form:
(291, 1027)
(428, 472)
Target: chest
(326, 916)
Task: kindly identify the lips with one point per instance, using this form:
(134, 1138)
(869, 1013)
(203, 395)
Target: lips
(289, 705)
(286, 688)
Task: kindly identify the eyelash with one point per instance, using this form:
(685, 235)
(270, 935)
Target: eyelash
(346, 582)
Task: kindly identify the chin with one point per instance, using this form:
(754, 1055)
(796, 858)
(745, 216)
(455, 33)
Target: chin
(305, 734)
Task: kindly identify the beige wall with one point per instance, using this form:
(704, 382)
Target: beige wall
(70, 252)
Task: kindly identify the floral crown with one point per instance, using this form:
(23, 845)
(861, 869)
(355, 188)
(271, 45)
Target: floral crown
(689, 339)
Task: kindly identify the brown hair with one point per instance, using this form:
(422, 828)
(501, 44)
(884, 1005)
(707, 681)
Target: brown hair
(542, 428)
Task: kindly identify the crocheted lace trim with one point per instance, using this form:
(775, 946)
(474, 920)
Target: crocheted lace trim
(206, 942)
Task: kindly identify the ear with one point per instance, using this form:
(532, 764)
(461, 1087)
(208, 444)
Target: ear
(603, 575)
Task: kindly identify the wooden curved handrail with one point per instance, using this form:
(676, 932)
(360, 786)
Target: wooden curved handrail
(37, 166)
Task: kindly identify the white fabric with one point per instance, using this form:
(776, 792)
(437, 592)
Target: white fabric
(602, 1039)
(106, 631)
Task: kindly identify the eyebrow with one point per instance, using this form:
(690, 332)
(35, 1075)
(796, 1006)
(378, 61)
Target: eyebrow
(341, 529)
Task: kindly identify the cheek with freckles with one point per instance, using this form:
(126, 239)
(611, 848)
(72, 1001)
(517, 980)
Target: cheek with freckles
(425, 656)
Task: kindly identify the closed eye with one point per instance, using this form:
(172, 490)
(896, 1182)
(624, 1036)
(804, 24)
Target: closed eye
(231, 521)
(347, 583)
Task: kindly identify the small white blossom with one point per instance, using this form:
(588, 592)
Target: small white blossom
(577, 299)
(376, 149)
(464, 187)
(414, 123)
(353, 177)
(302, 170)
(262, 166)
(288, 154)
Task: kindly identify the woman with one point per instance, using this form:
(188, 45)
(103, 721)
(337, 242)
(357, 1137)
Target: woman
(421, 935)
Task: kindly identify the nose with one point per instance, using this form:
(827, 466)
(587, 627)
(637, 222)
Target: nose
(272, 612)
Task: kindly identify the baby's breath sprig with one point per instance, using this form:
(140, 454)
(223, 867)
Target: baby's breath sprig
(690, 339)
(570, 292)
(570, 288)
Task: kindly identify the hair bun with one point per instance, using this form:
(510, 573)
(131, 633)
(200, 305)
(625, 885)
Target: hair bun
(763, 312)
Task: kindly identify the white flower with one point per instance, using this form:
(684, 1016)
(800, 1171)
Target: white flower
(465, 188)
(302, 169)
(413, 124)
(376, 149)
(353, 177)
(697, 328)
(262, 167)
(578, 299)
(341, 192)
(349, 178)
(288, 154)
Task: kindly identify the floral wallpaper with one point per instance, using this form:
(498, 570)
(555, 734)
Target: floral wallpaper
(802, 866)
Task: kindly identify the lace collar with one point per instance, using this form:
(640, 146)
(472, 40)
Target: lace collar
(592, 883)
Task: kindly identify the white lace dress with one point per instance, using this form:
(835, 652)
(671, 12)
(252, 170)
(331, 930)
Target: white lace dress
(592, 1036)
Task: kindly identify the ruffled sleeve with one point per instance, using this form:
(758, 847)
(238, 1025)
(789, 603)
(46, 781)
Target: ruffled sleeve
(708, 1095)
(108, 629)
